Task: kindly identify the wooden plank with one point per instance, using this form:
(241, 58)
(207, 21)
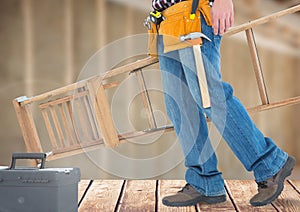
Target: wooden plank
(257, 67)
(146, 99)
(262, 20)
(82, 186)
(224, 206)
(124, 136)
(76, 150)
(286, 102)
(102, 196)
(242, 191)
(295, 184)
(230, 196)
(82, 121)
(103, 113)
(53, 93)
(71, 116)
(61, 91)
(63, 99)
(101, 11)
(78, 146)
(170, 187)
(123, 69)
(201, 75)
(57, 126)
(288, 199)
(69, 40)
(49, 129)
(139, 64)
(65, 123)
(91, 119)
(90, 146)
(28, 127)
(139, 195)
(110, 85)
(27, 12)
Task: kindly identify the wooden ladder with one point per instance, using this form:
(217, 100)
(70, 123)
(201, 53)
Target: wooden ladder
(87, 101)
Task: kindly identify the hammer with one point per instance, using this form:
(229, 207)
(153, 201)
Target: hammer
(193, 35)
(199, 66)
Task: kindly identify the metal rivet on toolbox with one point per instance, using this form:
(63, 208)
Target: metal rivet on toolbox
(67, 171)
(21, 200)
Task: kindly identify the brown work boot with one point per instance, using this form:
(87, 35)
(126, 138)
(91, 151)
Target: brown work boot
(188, 196)
(271, 188)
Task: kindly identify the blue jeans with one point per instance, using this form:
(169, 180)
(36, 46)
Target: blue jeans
(229, 117)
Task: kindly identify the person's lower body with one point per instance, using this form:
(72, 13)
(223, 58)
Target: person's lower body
(184, 108)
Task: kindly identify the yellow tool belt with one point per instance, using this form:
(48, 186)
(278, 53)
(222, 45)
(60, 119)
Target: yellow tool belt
(177, 22)
(152, 40)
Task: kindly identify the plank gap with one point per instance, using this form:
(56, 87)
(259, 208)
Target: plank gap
(85, 192)
(230, 196)
(119, 201)
(275, 207)
(293, 185)
(288, 199)
(156, 195)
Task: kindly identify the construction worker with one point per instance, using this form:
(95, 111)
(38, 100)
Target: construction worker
(183, 100)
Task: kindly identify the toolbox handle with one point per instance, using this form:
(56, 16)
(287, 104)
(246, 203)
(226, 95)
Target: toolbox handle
(15, 156)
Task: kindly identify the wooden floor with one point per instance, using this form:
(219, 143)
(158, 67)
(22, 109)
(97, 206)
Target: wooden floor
(146, 195)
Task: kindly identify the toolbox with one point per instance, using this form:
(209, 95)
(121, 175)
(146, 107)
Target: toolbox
(38, 189)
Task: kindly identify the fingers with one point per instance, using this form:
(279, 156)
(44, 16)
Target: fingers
(215, 24)
(222, 24)
(219, 25)
(228, 22)
(231, 20)
(222, 14)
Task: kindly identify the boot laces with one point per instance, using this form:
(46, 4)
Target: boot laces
(263, 184)
(186, 187)
(266, 183)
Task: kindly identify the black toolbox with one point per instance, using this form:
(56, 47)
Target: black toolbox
(38, 189)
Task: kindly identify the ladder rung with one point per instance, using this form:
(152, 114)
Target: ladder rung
(286, 102)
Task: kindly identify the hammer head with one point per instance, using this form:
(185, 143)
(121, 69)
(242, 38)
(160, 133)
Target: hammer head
(193, 35)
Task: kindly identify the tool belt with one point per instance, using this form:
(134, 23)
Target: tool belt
(152, 39)
(178, 22)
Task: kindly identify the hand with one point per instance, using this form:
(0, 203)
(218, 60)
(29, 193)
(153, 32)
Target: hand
(222, 16)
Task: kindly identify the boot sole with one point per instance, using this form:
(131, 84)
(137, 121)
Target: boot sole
(289, 166)
(202, 199)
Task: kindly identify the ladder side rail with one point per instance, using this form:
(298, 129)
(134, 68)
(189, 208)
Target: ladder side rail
(262, 20)
(257, 67)
(146, 99)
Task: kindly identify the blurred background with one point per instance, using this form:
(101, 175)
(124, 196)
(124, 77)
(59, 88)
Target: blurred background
(46, 43)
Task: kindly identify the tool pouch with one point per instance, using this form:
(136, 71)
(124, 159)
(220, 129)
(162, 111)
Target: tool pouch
(177, 23)
(152, 40)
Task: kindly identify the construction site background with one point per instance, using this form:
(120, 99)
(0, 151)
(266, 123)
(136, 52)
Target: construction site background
(64, 34)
